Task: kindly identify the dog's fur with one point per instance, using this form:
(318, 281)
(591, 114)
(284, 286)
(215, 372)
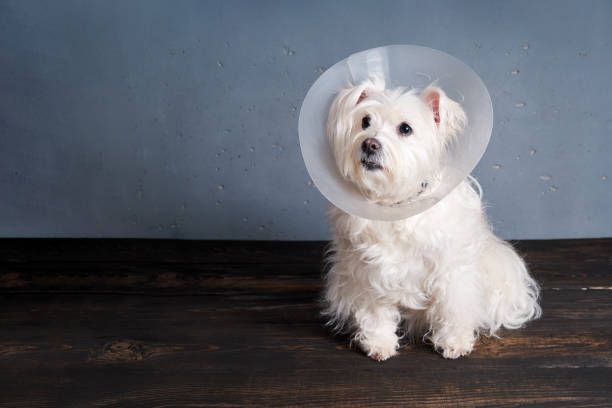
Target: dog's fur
(443, 272)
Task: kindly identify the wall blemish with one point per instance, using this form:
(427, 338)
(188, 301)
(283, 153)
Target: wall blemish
(525, 48)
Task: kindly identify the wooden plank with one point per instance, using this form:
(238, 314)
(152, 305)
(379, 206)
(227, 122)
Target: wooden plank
(558, 263)
(159, 250)
(176, 331)
(104, 350)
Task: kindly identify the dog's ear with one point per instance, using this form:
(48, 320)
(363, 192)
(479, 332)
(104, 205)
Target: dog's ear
(354, 95)
(447, 114)
(363, 95)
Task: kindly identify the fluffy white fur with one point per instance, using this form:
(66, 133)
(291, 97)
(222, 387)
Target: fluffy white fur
(442, 272)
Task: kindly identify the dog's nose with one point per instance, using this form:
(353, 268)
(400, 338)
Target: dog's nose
(370, 145)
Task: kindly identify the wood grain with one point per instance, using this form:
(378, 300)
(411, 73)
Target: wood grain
(148, 323)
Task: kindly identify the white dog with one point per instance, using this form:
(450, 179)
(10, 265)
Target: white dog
(442, 272)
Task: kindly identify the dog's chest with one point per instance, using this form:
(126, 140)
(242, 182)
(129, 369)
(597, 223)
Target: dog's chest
(414, 236)
(397, 249)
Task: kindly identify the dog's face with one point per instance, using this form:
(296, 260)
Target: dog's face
(392, 144)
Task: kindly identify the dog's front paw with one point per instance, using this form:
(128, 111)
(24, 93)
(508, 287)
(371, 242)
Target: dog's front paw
(380, 348)
(456, 344)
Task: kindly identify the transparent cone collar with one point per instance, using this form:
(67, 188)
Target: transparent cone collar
(406, 66)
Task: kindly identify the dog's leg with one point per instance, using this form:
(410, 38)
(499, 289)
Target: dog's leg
(456, 311)
(376, 330)
(513, 294)
(351, 304)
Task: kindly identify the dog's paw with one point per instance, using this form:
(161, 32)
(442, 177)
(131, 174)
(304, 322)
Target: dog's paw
(382, 353)
(380, 349)
(456, 344)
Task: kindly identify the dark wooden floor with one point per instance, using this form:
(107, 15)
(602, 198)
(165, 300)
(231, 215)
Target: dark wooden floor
(137, 323)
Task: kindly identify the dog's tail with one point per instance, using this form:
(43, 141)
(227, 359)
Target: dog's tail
(514, 294)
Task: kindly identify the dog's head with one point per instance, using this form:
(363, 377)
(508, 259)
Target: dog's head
(392, 143)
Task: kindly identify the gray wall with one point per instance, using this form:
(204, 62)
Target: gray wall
(179, 118)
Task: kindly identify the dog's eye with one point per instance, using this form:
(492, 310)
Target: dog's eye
(365, 122)
(405, 129)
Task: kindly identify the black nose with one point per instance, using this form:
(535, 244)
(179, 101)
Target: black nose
(370, 146)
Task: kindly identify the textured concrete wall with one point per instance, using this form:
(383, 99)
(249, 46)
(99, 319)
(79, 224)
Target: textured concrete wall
(179, 118)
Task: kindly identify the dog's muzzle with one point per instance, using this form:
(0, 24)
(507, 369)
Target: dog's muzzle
(370, 149)
(371, 146)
